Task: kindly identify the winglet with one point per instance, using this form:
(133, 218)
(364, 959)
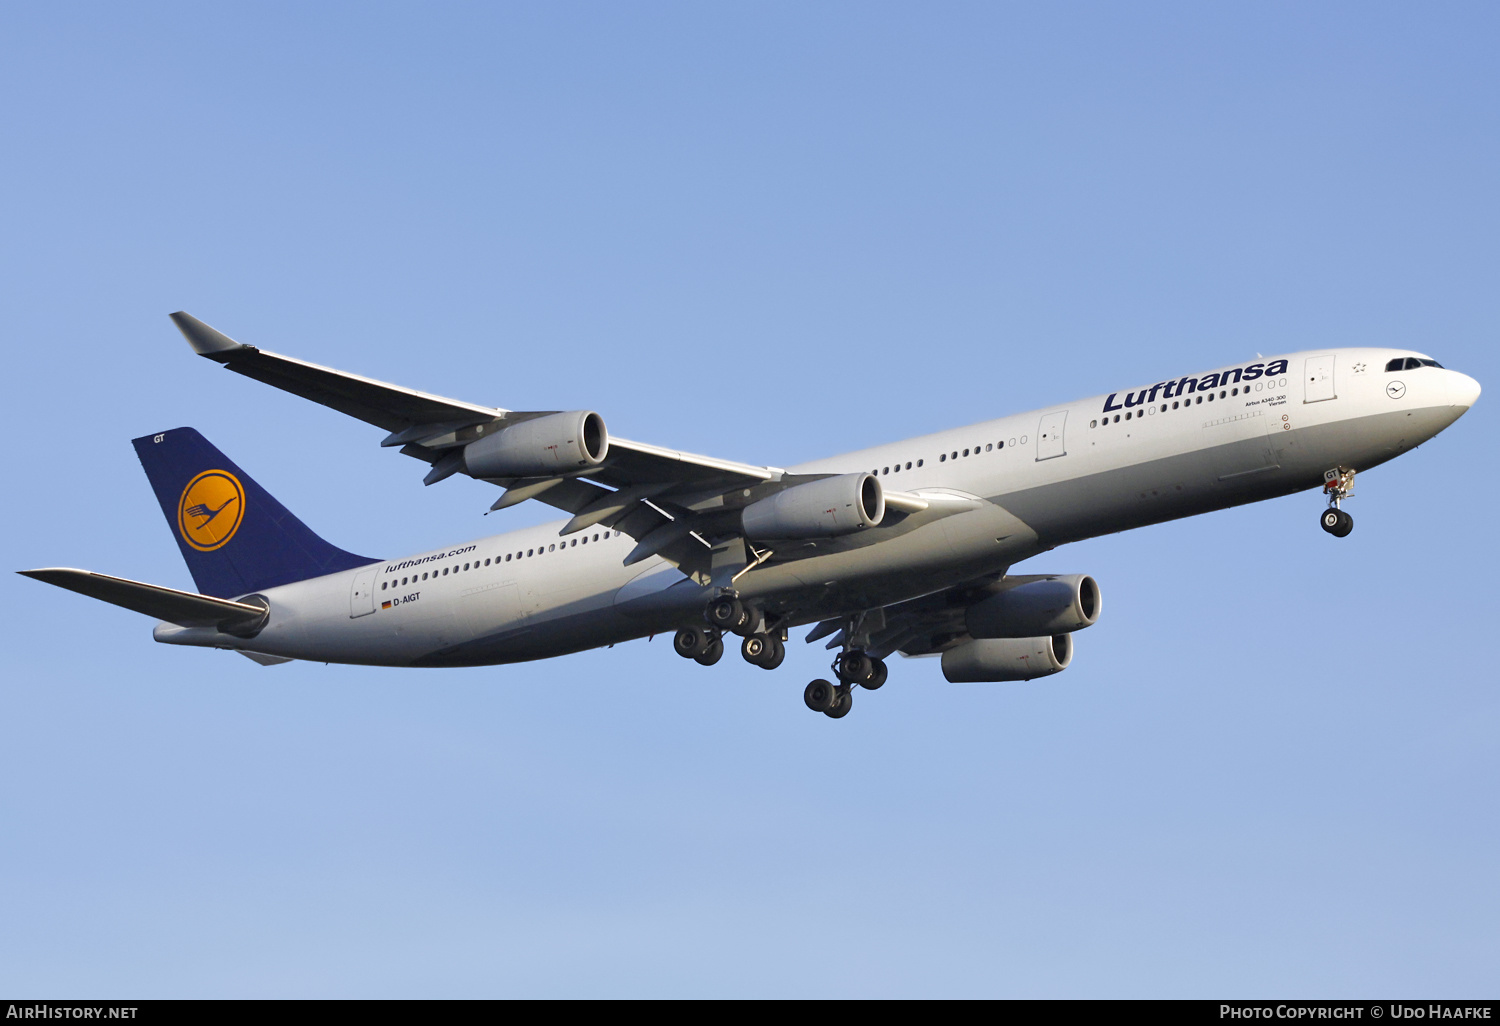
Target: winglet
(204, 340)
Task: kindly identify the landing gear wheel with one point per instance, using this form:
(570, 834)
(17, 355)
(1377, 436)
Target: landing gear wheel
(724, 612)
(778, 653)
(877, 676)
(820, 695)
(1337, 523)
(712, 654)
(763, 650)
(843, 701)
(692, 642)
(755, 648)
(728, 614)
(855, 668)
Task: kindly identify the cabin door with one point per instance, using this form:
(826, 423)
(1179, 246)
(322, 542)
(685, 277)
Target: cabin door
(362, 594)
(1318, 377)
(1049, 436)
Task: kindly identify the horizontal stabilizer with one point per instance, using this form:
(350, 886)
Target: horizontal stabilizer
(183, 608)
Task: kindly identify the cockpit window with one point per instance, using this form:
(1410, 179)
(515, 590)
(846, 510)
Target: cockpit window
(1410, 363)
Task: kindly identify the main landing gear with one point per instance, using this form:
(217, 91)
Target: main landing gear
(765, 646)
(699, 644)
(761, 647)
(851, 668)
(1338, 484)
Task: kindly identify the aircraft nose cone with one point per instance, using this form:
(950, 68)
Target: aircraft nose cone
(1463, 390)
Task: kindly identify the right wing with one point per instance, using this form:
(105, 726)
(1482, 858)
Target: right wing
(681, 506)
(645, 491)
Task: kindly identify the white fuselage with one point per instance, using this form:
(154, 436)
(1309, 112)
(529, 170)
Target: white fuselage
(1058, 474)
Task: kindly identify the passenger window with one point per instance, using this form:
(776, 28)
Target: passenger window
(987, 448)
(942, 457)
(919, 463)
(966, 452)
(1127, 416)
(1093, 423)
(1174, 406)
(908, 464)
(552, 548)
(954, 455)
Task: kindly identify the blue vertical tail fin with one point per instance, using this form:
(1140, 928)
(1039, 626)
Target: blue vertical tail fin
(235, 537)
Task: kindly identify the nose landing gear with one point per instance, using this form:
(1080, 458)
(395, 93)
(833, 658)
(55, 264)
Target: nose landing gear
(1338, 484)
(1336, 522)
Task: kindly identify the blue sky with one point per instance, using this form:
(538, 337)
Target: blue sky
(769, 232)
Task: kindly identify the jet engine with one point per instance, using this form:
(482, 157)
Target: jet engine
(818, 509)
(1044, 605)
(559, 443)
(1000, 659)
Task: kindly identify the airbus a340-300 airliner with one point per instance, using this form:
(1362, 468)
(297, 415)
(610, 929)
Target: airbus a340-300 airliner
(898, 548)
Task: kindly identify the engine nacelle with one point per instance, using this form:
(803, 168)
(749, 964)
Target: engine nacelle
(559, 443)
(818, 509)
(997, 659)
(1050, 605)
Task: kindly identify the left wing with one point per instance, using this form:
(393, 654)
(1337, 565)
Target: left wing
(928, 625)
